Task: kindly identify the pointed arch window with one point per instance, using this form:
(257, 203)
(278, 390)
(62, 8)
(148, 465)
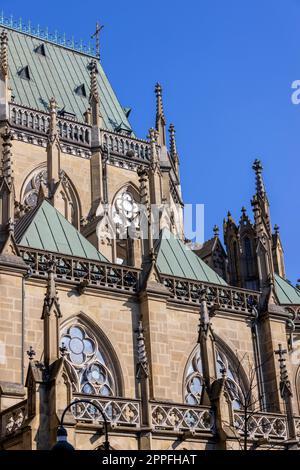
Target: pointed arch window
(126, 217)
(194, 383)
(90, 363)
(31, 187)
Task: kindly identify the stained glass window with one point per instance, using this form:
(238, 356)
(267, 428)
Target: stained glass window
(89, 361)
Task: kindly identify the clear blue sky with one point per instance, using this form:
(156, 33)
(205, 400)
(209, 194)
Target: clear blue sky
(226, 68)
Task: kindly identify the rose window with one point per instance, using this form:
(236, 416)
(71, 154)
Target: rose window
(89, 363)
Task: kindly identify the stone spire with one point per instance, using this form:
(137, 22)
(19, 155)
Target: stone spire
(53, 119)
(7, 195)
(51, 316)
(53, 149)
(173, 148)
(7, 164)
(160, 122)
(154, 170)
(142, 359)
(260, 187)
(94, 98)
(4, 53)
(4, 90)
(153, 138)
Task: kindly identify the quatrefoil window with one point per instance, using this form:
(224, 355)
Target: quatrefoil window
(89, 362)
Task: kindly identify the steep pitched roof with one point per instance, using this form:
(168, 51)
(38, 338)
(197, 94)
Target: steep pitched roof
(206, 249)
(177, 259)
(58, 73)
(286, 293)
(45, 228)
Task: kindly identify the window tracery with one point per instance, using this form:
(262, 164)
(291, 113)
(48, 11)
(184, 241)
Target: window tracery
(31, 187)
(125, 212)
(89, 361)
(194, 381)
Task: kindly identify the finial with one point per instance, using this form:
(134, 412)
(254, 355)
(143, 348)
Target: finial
(216, 231)
(142, 360)
(243, 210)
(160, 122)
(7, 164)
(63, 349)
(152, 135)
(159, 105)
(173, 148)
(11, 226)
(30, 353)
(94, 94)
(276, 229)
(4, 52)
(53, 118)
(257, 167)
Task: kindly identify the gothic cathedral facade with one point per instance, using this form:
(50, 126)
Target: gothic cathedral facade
(180, 347)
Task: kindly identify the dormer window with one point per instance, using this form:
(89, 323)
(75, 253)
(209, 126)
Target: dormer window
(24, 73)
(40, 50)
(80, 90)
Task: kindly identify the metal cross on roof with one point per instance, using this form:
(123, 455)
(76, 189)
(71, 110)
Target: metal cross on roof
(96, 35)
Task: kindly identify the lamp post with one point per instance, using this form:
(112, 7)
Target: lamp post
(62, 441)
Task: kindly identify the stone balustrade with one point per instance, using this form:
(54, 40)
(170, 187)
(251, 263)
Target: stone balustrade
(13, 418)
(267, 425)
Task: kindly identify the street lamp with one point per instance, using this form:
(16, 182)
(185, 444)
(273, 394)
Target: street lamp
(62, 435)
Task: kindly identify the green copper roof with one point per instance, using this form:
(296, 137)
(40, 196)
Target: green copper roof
(177, 259)
(286, 293)
(60, 73)
(46, 229)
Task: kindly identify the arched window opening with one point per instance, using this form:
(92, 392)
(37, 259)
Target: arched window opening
(31, 187)
(125, 214)
(194, 382)
(89, 360)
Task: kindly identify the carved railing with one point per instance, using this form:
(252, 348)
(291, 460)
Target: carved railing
(181, 417)
(267, 425)
(13, 418)
(297, 426)
(88, 272)
(37, 121)
(124, 146)
(118, 411)
(222, 297)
